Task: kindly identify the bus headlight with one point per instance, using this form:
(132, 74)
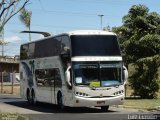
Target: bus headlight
(81, 94)
(118, 93)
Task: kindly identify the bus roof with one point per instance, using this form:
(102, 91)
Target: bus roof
(77, 32)
(90, 32)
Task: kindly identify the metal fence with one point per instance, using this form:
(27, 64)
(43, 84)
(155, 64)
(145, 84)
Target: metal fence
(9, 79)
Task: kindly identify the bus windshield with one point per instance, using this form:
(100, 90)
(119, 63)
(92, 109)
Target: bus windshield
(97, 74)
(94, 45)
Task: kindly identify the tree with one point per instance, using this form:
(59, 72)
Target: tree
(25, 18)
(8, 9)
(139, 36)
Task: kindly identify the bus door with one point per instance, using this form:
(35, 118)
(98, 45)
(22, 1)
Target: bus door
(69, 84)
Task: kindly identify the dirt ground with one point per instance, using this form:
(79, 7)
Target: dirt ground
(7, 89)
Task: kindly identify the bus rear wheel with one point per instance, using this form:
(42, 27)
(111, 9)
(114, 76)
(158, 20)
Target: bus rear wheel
(28, 96)
(105, 108)
(33, 98)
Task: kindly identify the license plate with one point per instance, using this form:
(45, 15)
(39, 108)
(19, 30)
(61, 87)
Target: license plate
(100, 102)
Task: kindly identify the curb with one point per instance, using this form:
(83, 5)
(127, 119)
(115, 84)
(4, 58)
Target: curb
(157, 108)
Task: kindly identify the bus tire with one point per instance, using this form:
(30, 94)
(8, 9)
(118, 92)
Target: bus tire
(28, 96)
(60, 102)
(33, 98)
(105, 108)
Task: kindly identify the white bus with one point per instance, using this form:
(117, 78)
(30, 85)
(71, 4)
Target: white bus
(78, 69)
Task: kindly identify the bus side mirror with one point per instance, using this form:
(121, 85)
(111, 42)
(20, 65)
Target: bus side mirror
(65, 53)
(125, 74)
(68, 76)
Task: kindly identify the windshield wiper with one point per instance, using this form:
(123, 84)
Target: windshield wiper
(82, 84)
(112, 85)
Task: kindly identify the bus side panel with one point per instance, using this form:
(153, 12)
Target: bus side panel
(26, 78)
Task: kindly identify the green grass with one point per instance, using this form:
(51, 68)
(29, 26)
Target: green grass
(11, 116)
(146, 104)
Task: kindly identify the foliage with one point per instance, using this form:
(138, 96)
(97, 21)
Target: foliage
(25, 18)
(140, 39)
(146, 85)
(8, 9)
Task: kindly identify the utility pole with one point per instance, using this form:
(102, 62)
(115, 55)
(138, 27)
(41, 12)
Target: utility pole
(101, 21)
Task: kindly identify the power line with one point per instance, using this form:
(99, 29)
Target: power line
(41, 5)
(47, 26)
(72, 13)
(102, 2)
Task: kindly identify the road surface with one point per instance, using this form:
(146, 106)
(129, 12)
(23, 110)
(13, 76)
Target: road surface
(44, 111)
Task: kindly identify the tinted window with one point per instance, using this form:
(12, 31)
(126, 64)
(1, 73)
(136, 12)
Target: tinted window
(31, 50)
(97, 73)
(65, 47)
(27, 51)
(24, 54)
(48, 77)
(46, 48)
(65, 51)
(94, 45)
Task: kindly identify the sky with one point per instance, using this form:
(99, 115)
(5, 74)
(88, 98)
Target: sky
(58, 16)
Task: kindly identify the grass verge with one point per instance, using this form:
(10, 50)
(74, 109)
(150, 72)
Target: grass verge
(137, 103)
(11, 116)
(145, 104)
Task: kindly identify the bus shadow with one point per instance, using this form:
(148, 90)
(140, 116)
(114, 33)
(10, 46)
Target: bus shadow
(51, 108)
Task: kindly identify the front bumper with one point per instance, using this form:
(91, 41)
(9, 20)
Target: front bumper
(105, 101)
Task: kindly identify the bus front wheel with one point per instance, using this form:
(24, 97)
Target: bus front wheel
(105, 108)
(60, 101)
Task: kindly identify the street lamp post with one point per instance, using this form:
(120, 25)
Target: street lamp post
(101, 21)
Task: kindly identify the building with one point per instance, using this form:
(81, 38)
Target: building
(9, 64)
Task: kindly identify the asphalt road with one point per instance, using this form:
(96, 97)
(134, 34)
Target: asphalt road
(44, 111)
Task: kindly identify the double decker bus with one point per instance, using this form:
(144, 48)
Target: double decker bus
(78, 69)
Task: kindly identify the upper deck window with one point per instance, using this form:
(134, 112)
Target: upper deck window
(95, 45)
